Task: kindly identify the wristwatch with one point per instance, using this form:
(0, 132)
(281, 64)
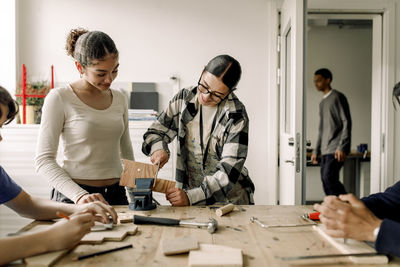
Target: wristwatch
(375, 232)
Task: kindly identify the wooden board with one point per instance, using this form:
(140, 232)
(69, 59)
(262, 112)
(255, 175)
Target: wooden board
(118, 233)
(353, 246)
(179, 245)
(133, 170)
(162, 185)
(125, 217)
(215, 256)
(46, 259)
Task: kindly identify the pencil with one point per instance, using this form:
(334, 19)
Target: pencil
(100, 253)
(62, 215)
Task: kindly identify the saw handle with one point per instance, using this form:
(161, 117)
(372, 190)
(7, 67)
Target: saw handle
(137, 219)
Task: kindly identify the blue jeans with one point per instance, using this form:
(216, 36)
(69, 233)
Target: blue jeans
(114, 194)
(330, 168)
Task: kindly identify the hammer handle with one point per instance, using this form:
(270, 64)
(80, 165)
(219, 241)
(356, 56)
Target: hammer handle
(154, 220)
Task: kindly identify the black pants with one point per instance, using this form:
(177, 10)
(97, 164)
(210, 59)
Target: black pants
(113, 194)
(330, 168)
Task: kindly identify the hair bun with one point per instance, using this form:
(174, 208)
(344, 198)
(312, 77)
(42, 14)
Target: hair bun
(72, 39)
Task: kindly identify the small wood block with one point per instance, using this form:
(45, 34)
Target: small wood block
(353, 246)
(125, 217)
(225, 209)
(46, 259)
(162, 185)
(179, 245)
(118, 233)
(133, 170)
(215, 256)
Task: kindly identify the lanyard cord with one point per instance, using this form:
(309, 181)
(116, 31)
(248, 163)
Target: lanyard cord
(205, 152)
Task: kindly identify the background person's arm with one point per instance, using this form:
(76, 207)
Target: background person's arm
(345, 117)
(317, 150)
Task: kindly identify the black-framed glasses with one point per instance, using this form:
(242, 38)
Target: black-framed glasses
(213, 95)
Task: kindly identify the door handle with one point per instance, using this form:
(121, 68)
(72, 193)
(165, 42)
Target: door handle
(290, 161)
(291, 141)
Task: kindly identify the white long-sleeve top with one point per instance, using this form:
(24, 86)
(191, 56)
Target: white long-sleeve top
(94, 141)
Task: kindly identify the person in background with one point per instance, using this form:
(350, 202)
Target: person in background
(61, 235)
(211, 127)
(92, 120)
(374, 218)
(334, 134)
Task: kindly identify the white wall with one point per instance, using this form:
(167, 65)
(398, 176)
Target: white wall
(158, 38)
(348, 54)
(8, 44)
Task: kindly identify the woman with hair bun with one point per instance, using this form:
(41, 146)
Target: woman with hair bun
(211, 127)
(92, 120)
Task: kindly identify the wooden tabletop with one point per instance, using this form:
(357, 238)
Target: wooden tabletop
(260, 246)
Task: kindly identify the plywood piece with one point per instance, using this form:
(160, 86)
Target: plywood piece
(162, 185)
(118, 233)
(125, 217)
(353, 246)
(46, 259)
(215, 256)
(133, 170)
(179, 245)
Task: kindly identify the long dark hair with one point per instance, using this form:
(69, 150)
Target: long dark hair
(227, 67)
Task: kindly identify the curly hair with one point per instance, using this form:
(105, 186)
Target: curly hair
(86, 46)
(7, 100)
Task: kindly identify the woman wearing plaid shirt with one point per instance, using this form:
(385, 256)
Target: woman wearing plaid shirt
(211, 126)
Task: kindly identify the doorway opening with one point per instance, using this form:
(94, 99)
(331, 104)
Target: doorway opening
(344, 43)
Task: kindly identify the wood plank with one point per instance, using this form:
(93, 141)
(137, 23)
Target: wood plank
(133, 170)
(179, 245)
(210, 255)
(353, 246)
(46, 259)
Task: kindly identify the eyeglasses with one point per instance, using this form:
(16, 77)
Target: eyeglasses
(216, 97)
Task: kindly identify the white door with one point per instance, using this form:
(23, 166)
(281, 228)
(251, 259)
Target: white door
(291, 154)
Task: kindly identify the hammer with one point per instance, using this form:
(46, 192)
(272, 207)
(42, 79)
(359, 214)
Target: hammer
(211, 225)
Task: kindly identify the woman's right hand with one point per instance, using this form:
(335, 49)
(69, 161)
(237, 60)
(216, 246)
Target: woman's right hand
(160, 156)
(91, 198)
(67, 233)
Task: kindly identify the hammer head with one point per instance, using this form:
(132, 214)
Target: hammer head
(212, 225)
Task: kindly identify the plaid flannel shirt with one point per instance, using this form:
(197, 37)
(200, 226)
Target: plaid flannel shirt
(229, 140)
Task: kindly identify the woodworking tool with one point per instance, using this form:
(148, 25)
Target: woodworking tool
(211, 225)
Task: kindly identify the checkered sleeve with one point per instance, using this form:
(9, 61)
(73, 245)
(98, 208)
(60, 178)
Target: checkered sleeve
(229, 168)
(165, 128)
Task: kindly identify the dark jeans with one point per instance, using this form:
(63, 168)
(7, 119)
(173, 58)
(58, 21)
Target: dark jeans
(330, 168)
(113, 194)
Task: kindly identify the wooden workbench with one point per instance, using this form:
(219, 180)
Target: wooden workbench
(260, 246)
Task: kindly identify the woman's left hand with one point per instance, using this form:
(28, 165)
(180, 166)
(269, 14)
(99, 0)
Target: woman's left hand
(177, 197)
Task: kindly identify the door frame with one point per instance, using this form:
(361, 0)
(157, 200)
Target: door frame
(387, 9)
